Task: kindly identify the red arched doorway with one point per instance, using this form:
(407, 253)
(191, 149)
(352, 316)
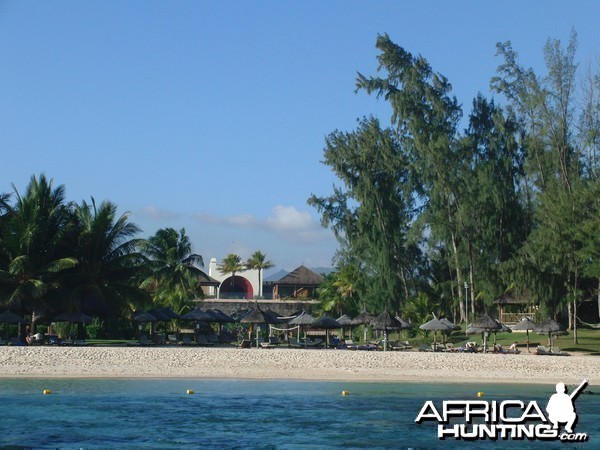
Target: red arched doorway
(240, 288)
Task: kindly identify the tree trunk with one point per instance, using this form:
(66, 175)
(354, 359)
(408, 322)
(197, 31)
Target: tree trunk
(458, 275)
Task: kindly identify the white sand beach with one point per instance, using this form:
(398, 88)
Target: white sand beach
(284, 363)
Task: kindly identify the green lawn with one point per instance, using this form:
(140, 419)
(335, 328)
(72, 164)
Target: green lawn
(588, 340)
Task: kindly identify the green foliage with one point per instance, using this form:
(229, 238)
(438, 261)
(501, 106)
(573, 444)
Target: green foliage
(513, 200)
(258, 261)
(174, 273)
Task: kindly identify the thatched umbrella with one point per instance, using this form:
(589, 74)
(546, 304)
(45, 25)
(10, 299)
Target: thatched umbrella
(10, 317)
(78, 317)
(256, 317)
(525, 324)
(453, 326)
(326, 323)
(164, 314)
(549, 326)
(345, 321)
(220, 318)
(385, 322)
(484, 324)
(201, 319)
(435, 325)
(198, 315)
(302, 320)
(405, 325)
(364, 318)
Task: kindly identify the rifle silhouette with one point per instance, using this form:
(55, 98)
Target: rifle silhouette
(576, 391)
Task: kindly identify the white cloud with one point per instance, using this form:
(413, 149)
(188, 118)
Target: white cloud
(237, 221)
(285, 219)
(154, 213)
(285, 222)
(295, 226)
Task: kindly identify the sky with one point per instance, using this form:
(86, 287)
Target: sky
(212, 115)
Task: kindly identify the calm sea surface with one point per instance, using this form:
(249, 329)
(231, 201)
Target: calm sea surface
(242, 414)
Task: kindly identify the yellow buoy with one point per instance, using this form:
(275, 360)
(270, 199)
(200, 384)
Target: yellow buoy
(190, 391)
(47, 391)
(480, 394)
(345, 393)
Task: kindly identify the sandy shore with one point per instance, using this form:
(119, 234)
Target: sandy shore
(283, 363)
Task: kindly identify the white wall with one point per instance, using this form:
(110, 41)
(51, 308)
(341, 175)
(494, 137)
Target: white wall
(250, 275)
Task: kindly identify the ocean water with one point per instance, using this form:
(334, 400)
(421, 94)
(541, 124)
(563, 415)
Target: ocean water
(249, 414)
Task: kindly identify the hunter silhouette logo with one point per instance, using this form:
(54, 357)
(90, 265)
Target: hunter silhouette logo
(560, 406)
(507, 419)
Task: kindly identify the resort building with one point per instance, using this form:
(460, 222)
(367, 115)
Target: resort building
(301, 283)
(243, 285)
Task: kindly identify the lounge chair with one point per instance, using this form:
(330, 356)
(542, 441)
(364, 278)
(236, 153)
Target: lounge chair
(294, 343)
(187, 340)
(3, 342)
(201, 339)
(450, 347)
(246, 343)
(401, 345)
(265, 344)
(425, 348)
(213, 338)
(557, 352)
(145, 341)
(172, 339)
(274, 340)
(542, 350)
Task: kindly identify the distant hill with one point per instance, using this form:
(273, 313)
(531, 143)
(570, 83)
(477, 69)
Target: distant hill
(277, 275)
(323, 270)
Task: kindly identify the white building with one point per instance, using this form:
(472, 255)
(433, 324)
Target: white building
(243, 285)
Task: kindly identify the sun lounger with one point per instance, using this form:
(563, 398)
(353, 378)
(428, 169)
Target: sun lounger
(187, 340)
(450, 347)
(246, 343)
(201, 339)
(145, 341)
(405, 345)
(425, 348)
(266, 345)
(294, 343)
(542, 350)
(274, 340)
(172, 339)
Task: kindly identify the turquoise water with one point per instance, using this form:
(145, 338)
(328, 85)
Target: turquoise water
(243, 414)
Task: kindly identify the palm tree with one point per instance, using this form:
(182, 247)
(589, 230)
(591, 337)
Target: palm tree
(175, 271)
(231, 264)
(258, 261)
(110, 264)
(36, 253)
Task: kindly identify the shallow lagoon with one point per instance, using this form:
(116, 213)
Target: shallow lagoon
(266, 414)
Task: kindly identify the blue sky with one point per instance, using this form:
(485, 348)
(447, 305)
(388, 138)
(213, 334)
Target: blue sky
(211, 115)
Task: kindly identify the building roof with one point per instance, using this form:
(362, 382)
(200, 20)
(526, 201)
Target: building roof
(206, 280)
(510, 297)
(302, 276)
